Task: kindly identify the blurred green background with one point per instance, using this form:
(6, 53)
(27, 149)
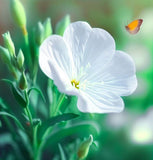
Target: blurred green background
(123, 136)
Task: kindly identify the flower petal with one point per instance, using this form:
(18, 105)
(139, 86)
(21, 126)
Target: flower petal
(102, 103)
(99, 50)
(56, 62)
(61, 80)
(76, 35)
(55, 50)
(117, 76)
(120, 76)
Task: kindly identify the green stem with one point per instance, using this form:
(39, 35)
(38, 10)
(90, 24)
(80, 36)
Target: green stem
(53, 106)
(53, 100)
(27, 47)
(42, 143)
(61, 99)
(34, 129)
(29, 116)
(35, 65)
(27, 108)
(27, 54)
(35, 144)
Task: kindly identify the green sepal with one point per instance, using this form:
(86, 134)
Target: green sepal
(9, 43)
(39, 33)
(23, 84)
(47, 28)
(5, 55)
(84, 148)
(36, 121)
(20, 60)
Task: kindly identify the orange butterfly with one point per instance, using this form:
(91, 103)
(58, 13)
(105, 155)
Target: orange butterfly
(134, 26)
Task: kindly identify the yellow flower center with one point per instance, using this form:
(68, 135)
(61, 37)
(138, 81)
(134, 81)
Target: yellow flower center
(75, 83)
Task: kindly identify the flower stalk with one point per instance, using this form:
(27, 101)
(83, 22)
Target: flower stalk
(60, 101)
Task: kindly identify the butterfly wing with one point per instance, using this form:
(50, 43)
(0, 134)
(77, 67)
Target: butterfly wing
(134, 26)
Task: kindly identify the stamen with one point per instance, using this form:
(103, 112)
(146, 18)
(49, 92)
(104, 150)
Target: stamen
(75, 83)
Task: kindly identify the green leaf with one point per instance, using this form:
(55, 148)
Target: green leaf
(62, 25)
(2, 104)
(19, 98)
(54, 120)
(38, 91)
(25, 140)
(5, 139)
(0, 123)
(61, 152)
(82, 129)
(13, 117)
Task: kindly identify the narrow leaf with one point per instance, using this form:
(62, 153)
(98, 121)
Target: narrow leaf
(54, 120)
(2, 104)
(61, 152)
(82, 129)
(13, 117)
(25, 141)
(62, 25)
(19, 98)
(38, 91)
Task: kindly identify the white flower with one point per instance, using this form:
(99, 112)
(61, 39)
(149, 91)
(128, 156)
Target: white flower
(84, 63)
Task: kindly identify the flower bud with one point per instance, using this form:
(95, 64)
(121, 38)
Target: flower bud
(5, 55)
(18, 14)
(20, 59)
(62, 25)
(47, 28)
(39, 33)
(9, 43)
(23, 82)
(84, 148)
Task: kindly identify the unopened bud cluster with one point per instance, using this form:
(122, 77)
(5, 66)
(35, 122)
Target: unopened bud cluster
(14, 63)
(42, 31)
